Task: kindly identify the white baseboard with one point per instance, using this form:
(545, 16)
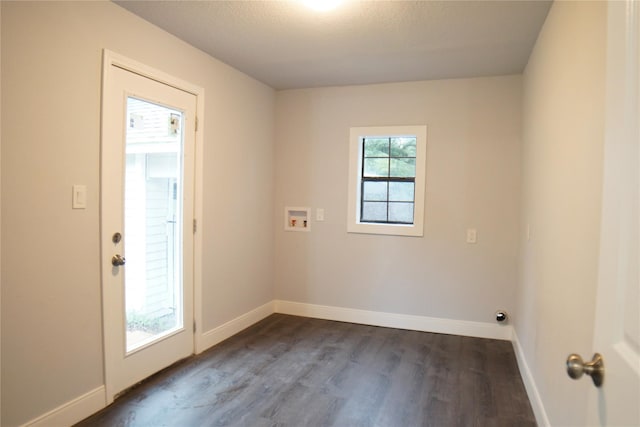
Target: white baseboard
(73, 411)
(530, 384)
(89, 403)
(217, 335)
(393, 320)
(93, 401)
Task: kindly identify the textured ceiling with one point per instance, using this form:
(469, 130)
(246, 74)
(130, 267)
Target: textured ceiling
(287, 45)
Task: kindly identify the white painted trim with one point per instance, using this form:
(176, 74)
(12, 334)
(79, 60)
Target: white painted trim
(121, 61)
(198, 215)
(529, 383)
(355, 167)
(232, 327)
(394, 320)
(89, 403)
(73, 411)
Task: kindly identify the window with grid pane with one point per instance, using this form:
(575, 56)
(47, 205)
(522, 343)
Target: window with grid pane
(388, 180)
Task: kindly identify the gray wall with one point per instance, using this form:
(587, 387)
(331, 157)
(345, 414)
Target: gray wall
(563, 132)
(473, 175)
(51, 298)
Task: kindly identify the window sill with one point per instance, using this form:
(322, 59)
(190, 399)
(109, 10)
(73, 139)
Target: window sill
(414, 230)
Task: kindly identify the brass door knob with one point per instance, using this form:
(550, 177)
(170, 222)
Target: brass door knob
(576, 367)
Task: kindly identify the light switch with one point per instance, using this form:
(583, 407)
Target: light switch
(472, 235)
(79, 197)
(319, 214)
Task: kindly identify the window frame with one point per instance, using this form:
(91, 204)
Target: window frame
(356, 147)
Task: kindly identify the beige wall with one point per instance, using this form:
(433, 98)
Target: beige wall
(563, 125)
(473, 172)
(51, 303)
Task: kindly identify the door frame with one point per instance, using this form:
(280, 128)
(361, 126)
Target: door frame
(109, 60)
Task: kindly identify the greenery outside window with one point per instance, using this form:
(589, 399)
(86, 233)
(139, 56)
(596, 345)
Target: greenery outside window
(386, 186)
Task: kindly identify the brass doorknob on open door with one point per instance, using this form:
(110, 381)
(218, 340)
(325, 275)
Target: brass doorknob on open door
(117, 260)
(576, 367)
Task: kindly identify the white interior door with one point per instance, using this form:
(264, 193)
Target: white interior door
(617, 334)
(147, 200)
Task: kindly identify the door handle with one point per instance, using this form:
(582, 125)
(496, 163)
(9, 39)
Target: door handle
(117, 260)
(576, 367)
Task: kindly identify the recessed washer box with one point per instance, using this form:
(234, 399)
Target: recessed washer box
(296, 219)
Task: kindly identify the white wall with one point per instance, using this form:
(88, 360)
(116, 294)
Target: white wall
(473, 173)
(51, 305)
(563, 125)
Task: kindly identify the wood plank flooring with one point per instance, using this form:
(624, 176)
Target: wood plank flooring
(295, 371)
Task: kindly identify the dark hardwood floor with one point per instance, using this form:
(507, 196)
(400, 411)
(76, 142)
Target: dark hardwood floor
(295, 371)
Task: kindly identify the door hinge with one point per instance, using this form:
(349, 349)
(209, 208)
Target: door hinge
(194, 326)
(195, 226)
(196, 123)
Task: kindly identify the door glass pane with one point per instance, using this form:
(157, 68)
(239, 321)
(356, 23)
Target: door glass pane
(153, 218)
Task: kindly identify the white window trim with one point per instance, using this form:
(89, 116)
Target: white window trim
(355, 166)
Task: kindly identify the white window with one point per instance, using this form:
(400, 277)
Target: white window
(387, 179)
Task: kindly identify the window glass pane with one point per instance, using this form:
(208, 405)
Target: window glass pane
(403, 147)
(376, 167)
(376, 147)
(375, 191)
(403, 168)
(401, 212)
(374, 211)
(401, 191)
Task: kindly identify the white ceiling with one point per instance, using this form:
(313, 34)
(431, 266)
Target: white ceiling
(287, 45)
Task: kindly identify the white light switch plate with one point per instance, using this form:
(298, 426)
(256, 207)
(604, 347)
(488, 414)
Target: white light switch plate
(472, 235)
(79, 197)
(319, 214)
